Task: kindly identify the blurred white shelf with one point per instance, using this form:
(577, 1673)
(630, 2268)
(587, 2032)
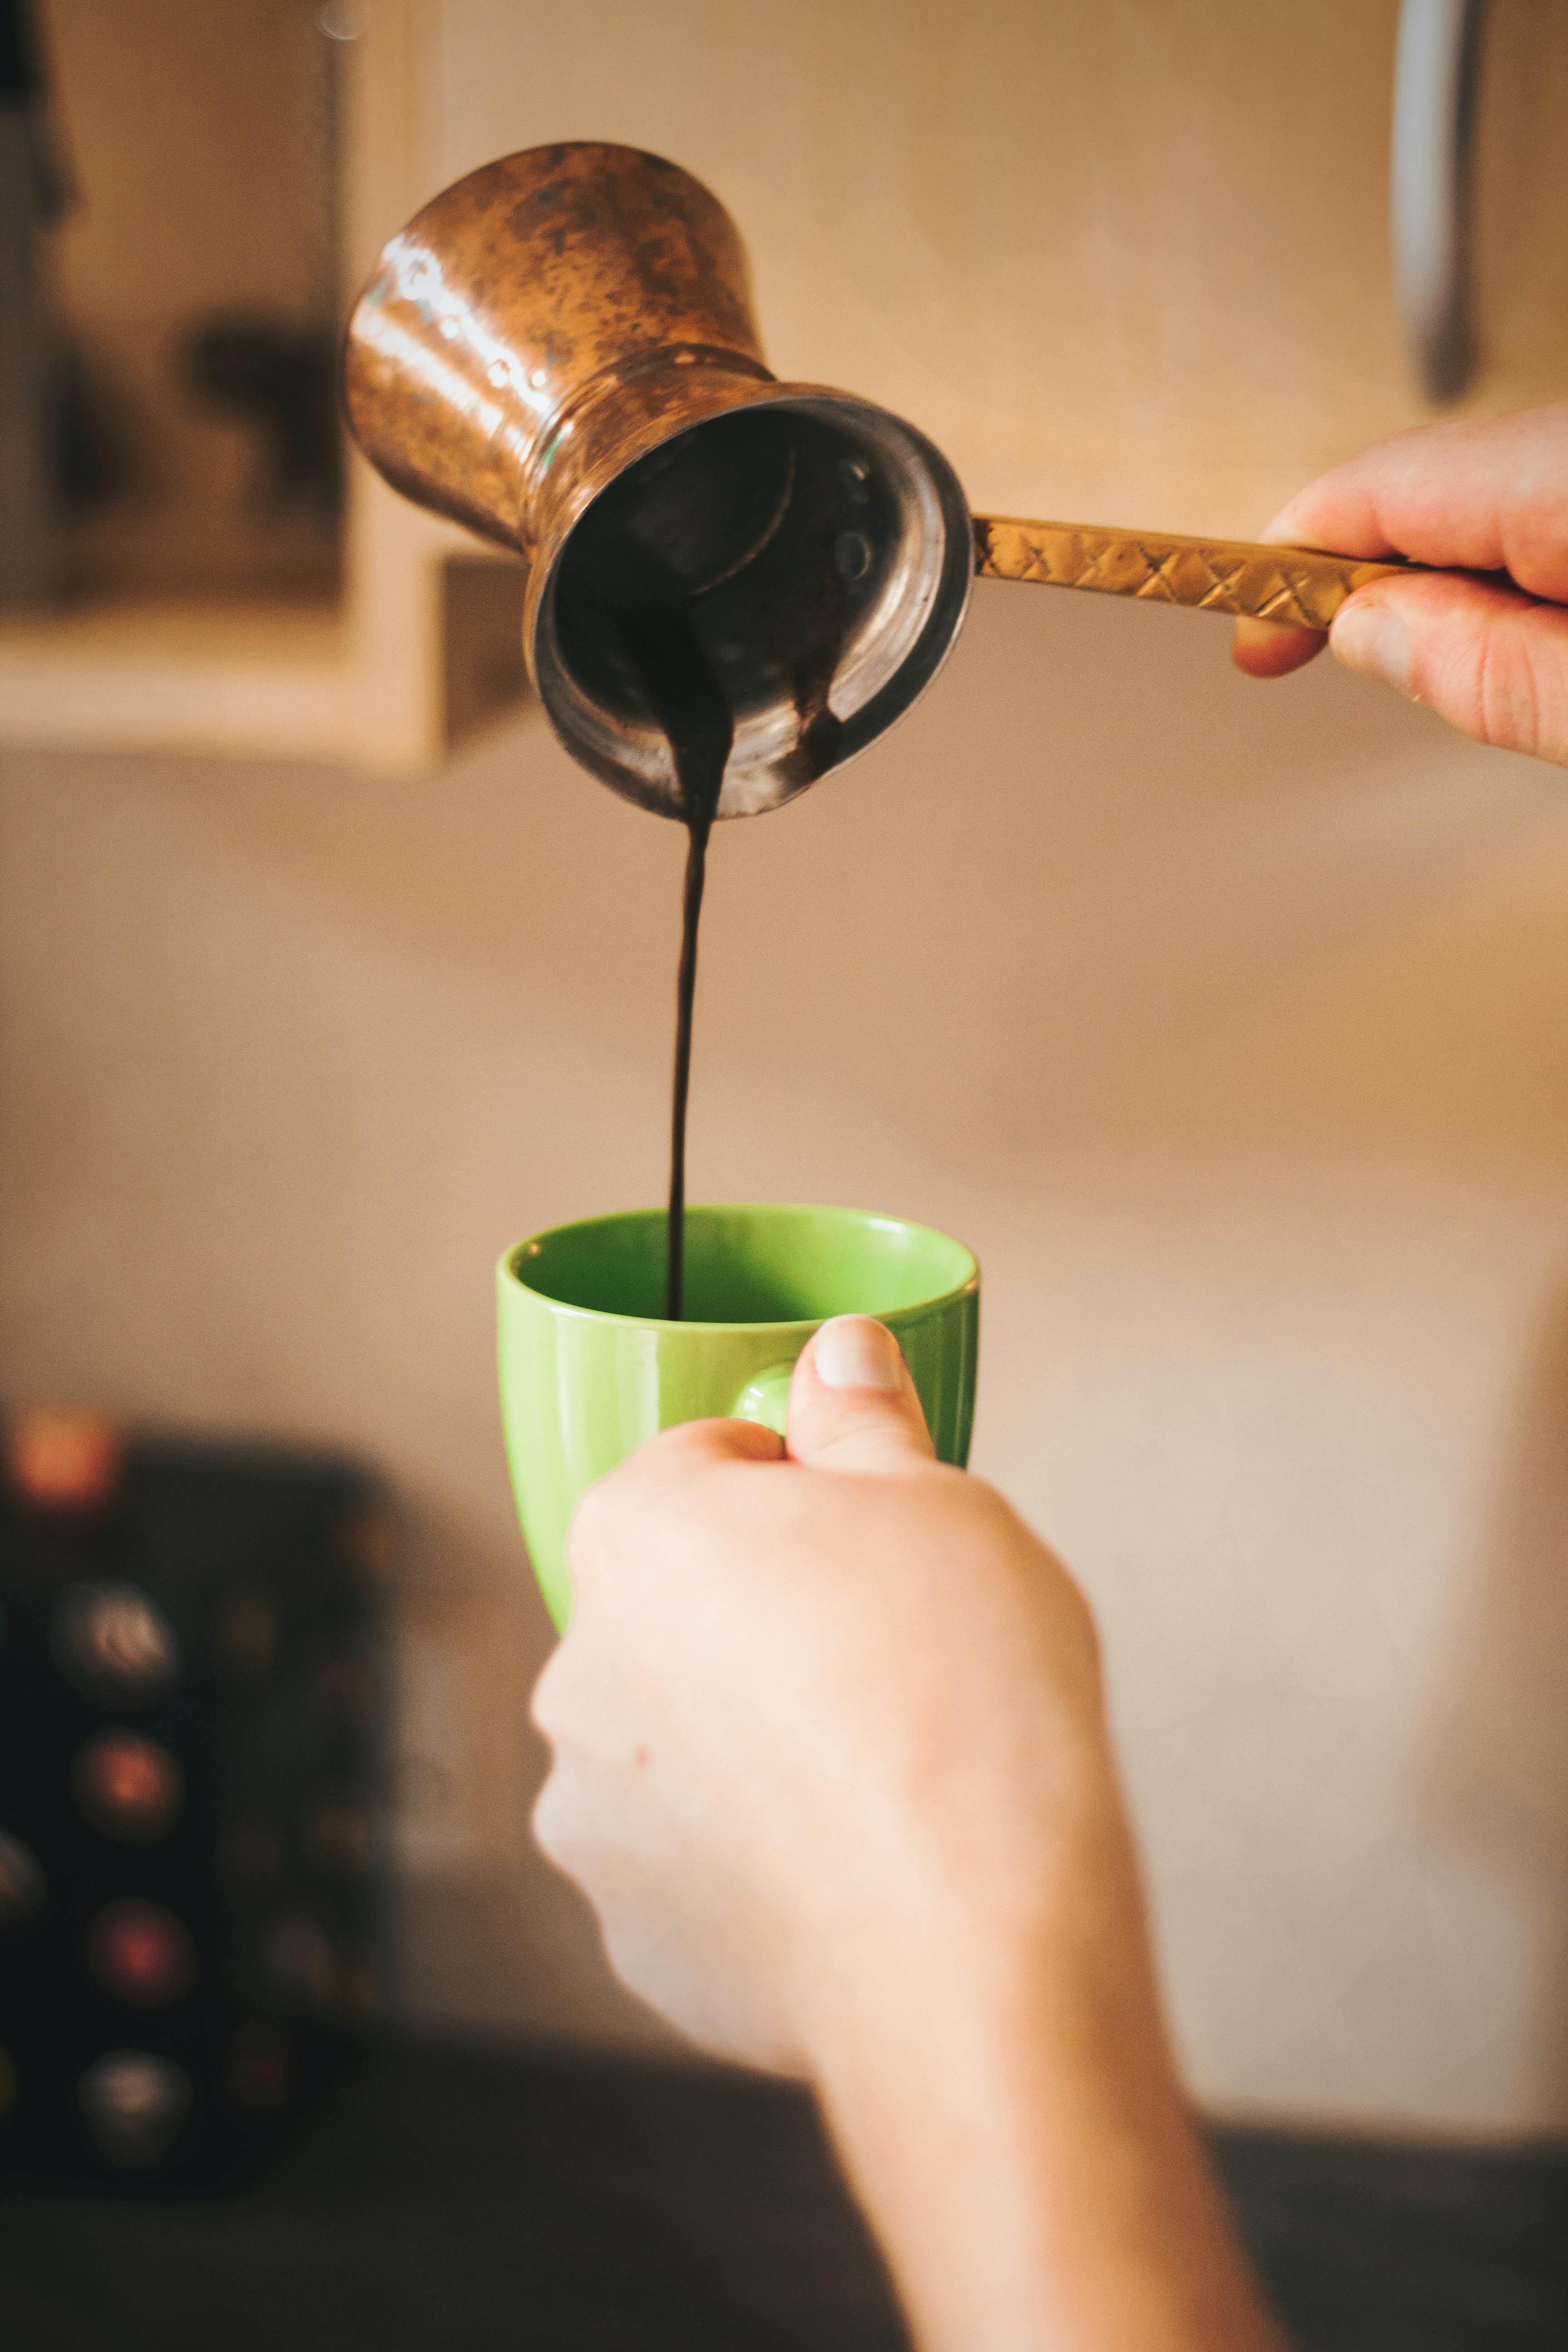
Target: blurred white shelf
(258, 679)
(391, 682)
(422, 644)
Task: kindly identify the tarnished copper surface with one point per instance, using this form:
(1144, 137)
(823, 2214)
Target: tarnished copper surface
(539, 289)
(1297, 585)
(559, 316)
(570, 328)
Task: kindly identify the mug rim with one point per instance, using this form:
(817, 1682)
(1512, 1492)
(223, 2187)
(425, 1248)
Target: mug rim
(508, 1270)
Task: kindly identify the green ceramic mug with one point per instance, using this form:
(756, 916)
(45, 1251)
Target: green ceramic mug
(590, 1369)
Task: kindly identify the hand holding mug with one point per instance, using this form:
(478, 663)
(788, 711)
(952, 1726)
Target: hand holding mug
(831, 1763)
(591, 1369)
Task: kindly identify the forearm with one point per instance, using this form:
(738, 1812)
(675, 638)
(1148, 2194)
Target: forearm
(1012, 2121)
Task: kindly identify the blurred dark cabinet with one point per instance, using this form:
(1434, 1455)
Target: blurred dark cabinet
(193, 1798)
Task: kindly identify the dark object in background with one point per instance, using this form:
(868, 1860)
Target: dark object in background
(279, 377)
(458, 2200)
(92, 455)
(35, 191)
(193, 1794)
(482, 639)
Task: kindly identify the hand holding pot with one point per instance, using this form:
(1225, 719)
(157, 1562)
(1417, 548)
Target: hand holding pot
(1488, 494)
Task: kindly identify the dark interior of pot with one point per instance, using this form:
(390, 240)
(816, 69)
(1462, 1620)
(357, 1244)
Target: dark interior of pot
(819, 551)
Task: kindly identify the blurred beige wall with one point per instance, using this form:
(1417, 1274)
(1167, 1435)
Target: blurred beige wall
(1127, 262)
(197, 135)
(1226, 1022)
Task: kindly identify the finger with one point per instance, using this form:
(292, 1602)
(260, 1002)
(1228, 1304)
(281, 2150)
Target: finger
(609, 1525)
(696, 1444)
(1274, 648)
(1490, 661)
(852, 1404)
(1481, 494)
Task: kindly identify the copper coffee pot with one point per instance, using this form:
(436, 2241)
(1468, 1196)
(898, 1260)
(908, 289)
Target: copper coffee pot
(558, 352)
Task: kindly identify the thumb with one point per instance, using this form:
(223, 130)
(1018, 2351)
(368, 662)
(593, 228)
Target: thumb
(1489, 660)
(852, 1404)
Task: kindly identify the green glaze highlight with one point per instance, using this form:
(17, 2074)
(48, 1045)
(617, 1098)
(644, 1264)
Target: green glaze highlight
(590, 1370)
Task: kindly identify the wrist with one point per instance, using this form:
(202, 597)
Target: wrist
(1005, 2102)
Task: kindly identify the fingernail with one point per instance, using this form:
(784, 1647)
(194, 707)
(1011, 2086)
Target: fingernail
(1370, 638)
(854, 1352)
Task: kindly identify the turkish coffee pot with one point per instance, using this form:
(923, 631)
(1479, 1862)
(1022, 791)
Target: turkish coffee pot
(558, 352)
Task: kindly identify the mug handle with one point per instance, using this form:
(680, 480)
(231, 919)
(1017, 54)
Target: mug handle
(766, 1399)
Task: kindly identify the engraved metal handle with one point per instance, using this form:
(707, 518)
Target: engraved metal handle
(1296, 584)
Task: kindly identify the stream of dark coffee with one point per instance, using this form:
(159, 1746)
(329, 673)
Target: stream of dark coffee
(640, 602)
(700, 728)
(648, 611)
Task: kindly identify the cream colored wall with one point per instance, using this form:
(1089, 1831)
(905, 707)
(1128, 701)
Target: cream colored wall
(1228, 1023)
(1125, 262)
(197, 135)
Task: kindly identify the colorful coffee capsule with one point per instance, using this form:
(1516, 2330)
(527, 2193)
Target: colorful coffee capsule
(129, 1788)
(260, 2066)
(247, 1633)
(300, 1960)
(343, 1833)
(251, 1853)
(114, 1643)
(135, 2106)
(140, 1952)
(21, 1884)
(57, 1458)
(346, 1686)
